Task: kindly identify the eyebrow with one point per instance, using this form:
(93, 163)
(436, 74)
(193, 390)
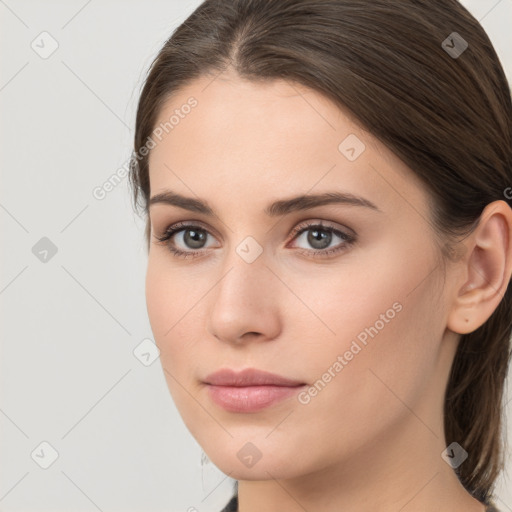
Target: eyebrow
(276, 209)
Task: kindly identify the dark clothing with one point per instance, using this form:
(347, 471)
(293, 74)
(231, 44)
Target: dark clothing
(232, 506)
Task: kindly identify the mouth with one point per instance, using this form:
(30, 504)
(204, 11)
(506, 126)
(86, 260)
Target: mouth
(250, 390)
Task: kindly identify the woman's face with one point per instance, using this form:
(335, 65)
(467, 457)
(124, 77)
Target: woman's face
(357, 315)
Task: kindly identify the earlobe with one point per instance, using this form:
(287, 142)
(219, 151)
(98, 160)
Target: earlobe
(487, 272)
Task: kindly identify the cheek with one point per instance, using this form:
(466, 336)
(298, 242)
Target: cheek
(165, 305)
(159, 297)
(173, 305)
(384, 350)
(167, 316)
(171, 295)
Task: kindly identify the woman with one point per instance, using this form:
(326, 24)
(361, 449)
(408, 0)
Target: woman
(327, 185)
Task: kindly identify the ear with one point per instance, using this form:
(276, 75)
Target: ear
(486, 272)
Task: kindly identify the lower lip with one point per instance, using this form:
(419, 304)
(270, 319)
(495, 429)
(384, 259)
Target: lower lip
(249, 398)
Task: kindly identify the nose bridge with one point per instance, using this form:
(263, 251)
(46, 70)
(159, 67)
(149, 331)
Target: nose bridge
(245, 299)
(246, 273)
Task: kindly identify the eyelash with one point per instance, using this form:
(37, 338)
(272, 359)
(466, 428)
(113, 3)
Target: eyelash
(348, 240)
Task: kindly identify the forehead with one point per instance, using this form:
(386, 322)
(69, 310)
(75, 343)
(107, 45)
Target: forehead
(272, 117)
(268, 139)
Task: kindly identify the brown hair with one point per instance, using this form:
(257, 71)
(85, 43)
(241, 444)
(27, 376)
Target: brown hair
(447, 116)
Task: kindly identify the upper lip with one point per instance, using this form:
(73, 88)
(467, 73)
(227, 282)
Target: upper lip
(249, 377)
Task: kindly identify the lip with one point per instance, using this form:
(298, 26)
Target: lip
(249, 377)
(249, 390)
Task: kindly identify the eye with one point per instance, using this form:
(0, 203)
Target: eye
(320, 237)
(188, 235)
(192, 239)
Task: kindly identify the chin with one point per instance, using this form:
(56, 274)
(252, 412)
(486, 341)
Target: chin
(243, 460)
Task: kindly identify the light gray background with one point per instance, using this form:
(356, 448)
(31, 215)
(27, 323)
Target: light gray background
(69, 325)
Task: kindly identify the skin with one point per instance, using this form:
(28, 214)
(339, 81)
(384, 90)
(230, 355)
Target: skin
(372, 438)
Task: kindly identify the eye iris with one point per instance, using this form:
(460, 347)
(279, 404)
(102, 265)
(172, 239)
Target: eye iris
(194, 238)
(321, 237)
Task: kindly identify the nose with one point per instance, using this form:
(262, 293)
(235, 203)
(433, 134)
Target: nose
(245, 303)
